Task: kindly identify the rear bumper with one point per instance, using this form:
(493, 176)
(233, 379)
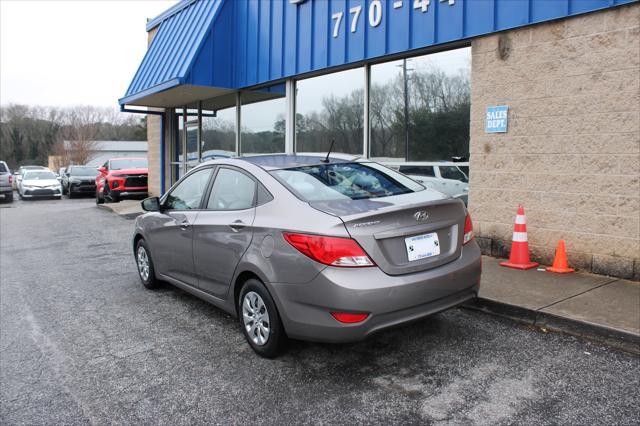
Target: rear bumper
(389, 300)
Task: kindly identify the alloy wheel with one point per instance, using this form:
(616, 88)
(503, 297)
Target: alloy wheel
(143, 263)
(256, 318)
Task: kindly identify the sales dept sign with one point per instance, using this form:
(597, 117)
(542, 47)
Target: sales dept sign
(496, 120)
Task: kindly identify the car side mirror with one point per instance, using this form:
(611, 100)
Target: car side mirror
(151, 204)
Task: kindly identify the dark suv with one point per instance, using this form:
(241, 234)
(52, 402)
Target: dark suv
(79, 180)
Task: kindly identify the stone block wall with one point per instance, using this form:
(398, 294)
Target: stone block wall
(153, 153)
(153, 141)
(571, 155)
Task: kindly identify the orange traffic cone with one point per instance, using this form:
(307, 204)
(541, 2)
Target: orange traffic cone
(519, 257)
(560, 264)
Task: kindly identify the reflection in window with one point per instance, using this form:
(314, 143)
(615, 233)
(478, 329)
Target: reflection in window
(219, 135)
(436, 125)
(330, 107)
(263, 121)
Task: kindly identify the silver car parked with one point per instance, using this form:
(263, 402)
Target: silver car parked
(306, 247)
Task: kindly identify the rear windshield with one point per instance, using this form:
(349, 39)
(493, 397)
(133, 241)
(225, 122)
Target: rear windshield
(83, 171)
(38, 175)
(3, 168)
(356, 181)
(132, 163)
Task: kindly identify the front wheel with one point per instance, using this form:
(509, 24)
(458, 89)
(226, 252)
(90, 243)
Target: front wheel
(99, 198)
(146, 271)
(260, 320)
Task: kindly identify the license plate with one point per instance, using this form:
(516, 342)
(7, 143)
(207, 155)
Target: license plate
(422, 246)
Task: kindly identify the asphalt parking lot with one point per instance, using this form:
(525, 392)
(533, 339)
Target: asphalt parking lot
(81, 341)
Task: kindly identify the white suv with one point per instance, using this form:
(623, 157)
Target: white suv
(446, 177)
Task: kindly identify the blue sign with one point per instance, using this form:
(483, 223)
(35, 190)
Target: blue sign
(496, 121)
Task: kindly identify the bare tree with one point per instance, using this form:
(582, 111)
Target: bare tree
(78, 135)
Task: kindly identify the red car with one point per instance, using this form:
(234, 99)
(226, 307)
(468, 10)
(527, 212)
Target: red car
(121, 178)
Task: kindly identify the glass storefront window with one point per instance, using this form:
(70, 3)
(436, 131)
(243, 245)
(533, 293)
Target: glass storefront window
(263, 121)
(422, 104)
(219, 134)
(331, 107)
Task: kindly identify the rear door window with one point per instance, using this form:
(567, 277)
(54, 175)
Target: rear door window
(452, 172)
(232, 190)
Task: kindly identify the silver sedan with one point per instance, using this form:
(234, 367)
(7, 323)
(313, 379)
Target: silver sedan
(307, 247)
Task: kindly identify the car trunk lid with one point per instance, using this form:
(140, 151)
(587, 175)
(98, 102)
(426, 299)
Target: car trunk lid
(382, 227)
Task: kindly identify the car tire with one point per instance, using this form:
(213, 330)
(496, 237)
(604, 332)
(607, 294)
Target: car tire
(10, 197)
(258, 301)
(146, 271)
(99, 199)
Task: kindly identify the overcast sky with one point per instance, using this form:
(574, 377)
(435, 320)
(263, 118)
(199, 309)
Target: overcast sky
(71, 52)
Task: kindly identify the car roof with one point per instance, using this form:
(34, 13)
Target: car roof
(285, 161)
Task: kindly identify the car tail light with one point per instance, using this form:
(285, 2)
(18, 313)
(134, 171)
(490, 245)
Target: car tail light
(333, 251)
(468, 230)
(348, 318)
(10, 179)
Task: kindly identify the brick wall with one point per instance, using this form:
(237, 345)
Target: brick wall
(572, 152)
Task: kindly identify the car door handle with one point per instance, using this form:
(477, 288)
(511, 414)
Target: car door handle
(238, 225)
(184, 224)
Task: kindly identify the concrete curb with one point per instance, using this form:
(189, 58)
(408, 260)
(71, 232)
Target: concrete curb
(620, 339)
(109, 208)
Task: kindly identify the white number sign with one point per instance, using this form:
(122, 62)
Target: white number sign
(355, 11)
(375, 12)
(336, 26)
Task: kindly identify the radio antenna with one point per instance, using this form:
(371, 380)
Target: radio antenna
(326, 160)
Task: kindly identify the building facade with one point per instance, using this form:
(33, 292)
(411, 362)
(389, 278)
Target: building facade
(542, 97)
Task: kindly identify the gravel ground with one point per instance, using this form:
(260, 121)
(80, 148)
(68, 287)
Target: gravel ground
(81, 341)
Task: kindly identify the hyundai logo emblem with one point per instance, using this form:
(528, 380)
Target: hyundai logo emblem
(421, 215)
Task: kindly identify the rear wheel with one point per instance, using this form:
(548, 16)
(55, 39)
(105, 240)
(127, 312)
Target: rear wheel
(260, 320)
(146, 272)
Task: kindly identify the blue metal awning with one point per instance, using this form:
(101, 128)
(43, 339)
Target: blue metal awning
(167, 64)
(204, 50)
